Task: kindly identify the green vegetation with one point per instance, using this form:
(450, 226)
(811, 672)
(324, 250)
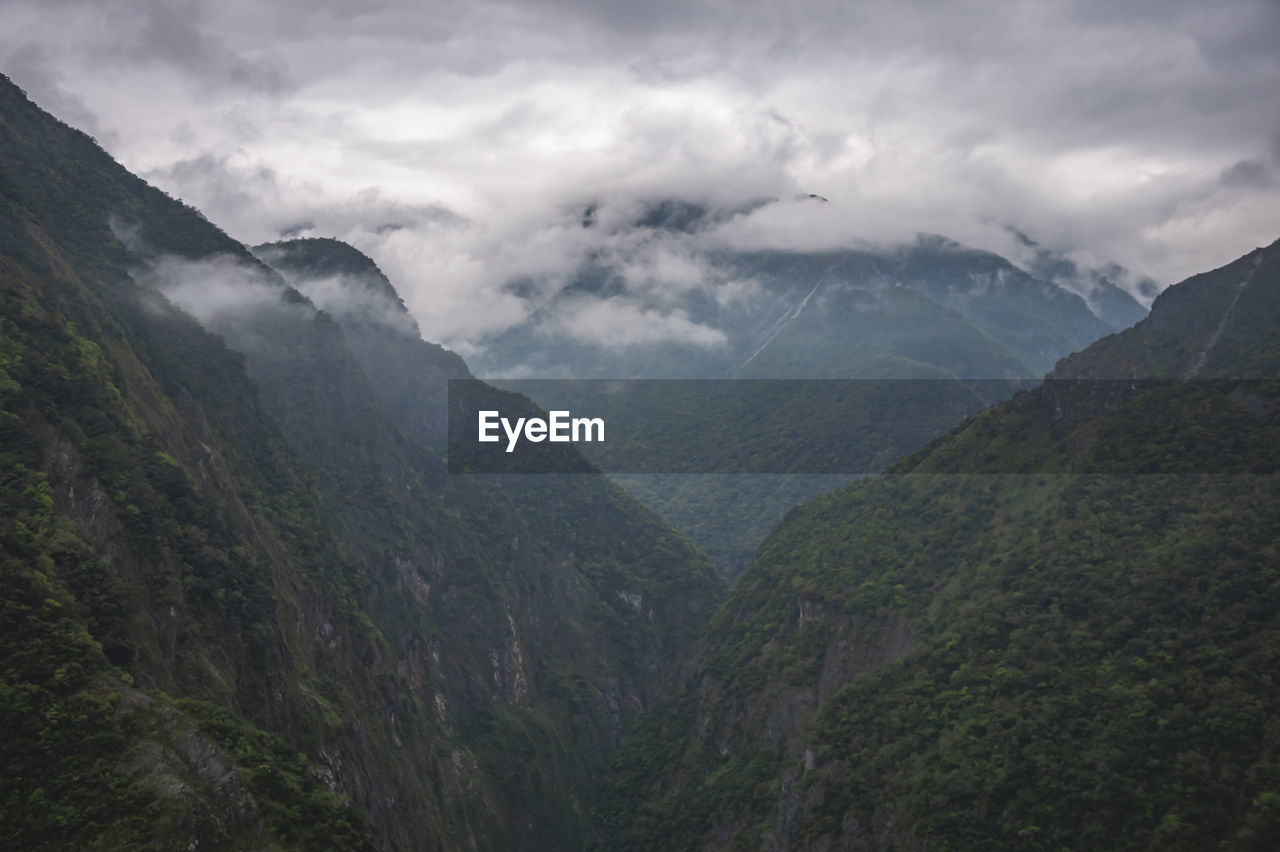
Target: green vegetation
(225, 589)
(1054, 628)
(1088, 671)
(83, 474)
(746, 507)
(258, 613)
(551, 607)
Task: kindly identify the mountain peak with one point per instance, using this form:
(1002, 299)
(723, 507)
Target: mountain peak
(1217, 324)
(340, 279)
(1110, 302)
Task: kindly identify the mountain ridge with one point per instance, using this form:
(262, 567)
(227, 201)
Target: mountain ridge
(246, 607)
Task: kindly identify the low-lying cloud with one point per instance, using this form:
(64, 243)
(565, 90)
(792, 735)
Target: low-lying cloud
(216, 290)
(460, 145)
(617, 324)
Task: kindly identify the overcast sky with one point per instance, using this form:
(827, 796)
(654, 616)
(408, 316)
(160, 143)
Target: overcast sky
(457, 142)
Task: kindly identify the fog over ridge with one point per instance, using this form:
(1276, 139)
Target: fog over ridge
(458, 144)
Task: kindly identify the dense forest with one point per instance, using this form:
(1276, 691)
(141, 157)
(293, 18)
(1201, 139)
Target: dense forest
(242, 594)
(1054, 627)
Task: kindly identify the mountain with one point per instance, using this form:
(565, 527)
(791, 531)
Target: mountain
(681, 306)
(1219, 323)
(245, 606)
(596, 641)
(930, 310)
(1051, 628)
(408, 374)
(933, 309)
(166, 592)
(1099, 286)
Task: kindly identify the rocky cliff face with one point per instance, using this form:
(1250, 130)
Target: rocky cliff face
(169, 526)
(558, 604)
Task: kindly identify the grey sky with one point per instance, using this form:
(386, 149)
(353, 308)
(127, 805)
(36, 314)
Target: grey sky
(457, 142)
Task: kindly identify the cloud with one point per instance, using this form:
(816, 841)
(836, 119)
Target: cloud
(269, 205)
(218, 291)
(459, 143)
(1248, 173)
(344, 296)
(617, 324)
(174, 33)
(349, 297)
(31, 65)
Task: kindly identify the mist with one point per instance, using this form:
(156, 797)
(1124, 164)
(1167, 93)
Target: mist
(459, 147)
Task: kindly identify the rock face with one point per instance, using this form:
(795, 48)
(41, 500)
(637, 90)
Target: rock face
(1019, 634)
(236, 570)
(531, 643)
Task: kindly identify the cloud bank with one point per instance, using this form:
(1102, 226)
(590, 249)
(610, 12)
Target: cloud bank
(459, 143)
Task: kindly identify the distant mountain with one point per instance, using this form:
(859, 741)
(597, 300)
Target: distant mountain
(931, 310)
(934, 309)
(1098, 287)
(1051, 628)
(408, 374)
(244, 606)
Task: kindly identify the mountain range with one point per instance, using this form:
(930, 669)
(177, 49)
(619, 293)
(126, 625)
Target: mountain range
(246, 606)
(931, 309)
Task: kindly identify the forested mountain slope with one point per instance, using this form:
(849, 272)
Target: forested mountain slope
(1054, 628)
(241, 594)
(590, 597)
(167, 590)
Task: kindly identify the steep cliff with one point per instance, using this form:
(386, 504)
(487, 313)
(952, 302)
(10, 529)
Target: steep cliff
(161, 531)
(329, 639)
(558, 605)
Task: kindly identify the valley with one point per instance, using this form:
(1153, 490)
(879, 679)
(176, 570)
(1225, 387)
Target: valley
(247, 604)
